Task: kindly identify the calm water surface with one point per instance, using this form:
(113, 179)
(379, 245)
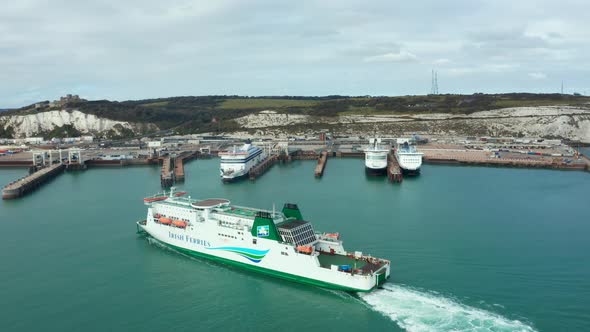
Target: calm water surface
(485, 248)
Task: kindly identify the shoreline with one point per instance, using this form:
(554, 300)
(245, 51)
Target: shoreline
(496, 163)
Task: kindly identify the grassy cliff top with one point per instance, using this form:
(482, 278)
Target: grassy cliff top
(214, 113)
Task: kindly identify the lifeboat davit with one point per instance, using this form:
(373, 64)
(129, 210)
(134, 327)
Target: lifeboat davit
(165, 221)
(154, 199)
(179, 223)
(162, 197)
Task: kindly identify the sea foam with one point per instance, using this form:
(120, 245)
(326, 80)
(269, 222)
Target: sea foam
(415, 310)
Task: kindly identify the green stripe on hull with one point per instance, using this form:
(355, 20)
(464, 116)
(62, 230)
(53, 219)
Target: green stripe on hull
(269, 272)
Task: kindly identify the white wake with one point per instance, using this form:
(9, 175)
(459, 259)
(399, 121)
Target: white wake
(415, 310)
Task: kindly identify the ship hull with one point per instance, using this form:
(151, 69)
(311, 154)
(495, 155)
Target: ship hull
(411, 172)
(293, 267)
(409, 163)
(375, 171)
(236, 170)
(234, 179)
(268, 272)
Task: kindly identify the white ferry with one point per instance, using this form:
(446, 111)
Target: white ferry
(236, 163)
(409, 159)
(376, 157)
(280, 244)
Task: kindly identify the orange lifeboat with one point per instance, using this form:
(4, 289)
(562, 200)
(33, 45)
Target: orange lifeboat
(334, 236)
(165, 221)
(154, 199)
(179, 223)
(305, 249)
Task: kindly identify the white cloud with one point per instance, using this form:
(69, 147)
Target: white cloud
(537, 76)
(114, 49)
(401, 56)
(441, 61)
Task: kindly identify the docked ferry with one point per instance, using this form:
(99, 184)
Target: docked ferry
(276, 243)
(376, 157)
(409, 159)
(237, 162)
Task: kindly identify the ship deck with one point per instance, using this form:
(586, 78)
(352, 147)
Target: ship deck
(242, 212)
(327, 260)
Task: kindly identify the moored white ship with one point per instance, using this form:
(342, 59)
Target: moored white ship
(237, 162)
(279, 244)
(409, 159)
(376, 157)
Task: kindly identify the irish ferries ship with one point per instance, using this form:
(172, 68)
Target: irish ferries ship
(408, 157)
(375, 157)
(280, 244)
(236, 163)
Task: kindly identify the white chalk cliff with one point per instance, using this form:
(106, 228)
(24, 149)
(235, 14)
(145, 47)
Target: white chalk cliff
(31, 124)
(545, 121)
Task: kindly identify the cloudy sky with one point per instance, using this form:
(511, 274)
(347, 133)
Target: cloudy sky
(132, 49)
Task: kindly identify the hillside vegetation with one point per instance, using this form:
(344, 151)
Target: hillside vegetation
(216, 113)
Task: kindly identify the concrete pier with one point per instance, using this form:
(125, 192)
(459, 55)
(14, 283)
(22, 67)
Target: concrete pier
(587, 161)
(394, 172)
(178, 169)
(319, 169)
(29, 183)
(166, 174)
(262, 167)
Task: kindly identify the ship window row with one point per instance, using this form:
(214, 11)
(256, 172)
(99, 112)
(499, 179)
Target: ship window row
(228, 236)
(376, 157)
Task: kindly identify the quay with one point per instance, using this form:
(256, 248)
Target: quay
(172, 170)
(29, 183)
(394, 172)
(166, 174)
(179, 163)
(262, 167)
(303, 155)
(178, 170)
(481, 158)
(319, 169)
(586, 161)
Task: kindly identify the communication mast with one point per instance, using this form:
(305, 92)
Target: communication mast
(561, 87)
(434, 83)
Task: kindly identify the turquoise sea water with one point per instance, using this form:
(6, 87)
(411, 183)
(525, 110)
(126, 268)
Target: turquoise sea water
(484, 249)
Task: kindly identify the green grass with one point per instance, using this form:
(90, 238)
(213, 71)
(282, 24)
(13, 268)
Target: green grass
(156, 104)
(365, 110)
(532, 103)
(259, 103)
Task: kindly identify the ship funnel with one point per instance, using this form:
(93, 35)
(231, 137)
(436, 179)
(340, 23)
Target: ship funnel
(264, 227)
(292, 211)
